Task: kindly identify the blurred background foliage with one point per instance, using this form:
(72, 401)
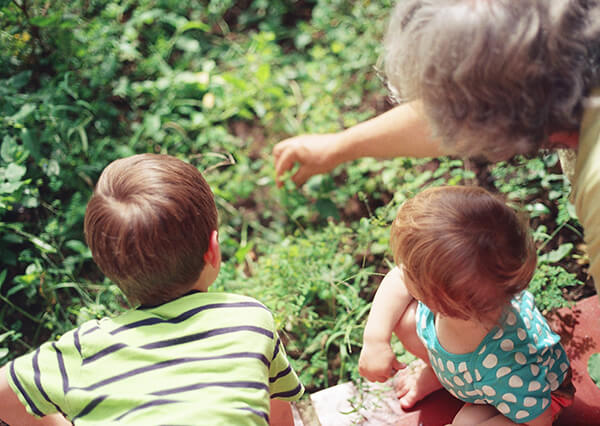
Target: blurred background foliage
(218, 83)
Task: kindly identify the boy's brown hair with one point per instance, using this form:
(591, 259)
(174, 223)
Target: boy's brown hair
(148, 225)
(464, 250)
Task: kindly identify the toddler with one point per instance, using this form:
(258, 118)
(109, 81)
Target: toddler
(185, 355)
(457, 300)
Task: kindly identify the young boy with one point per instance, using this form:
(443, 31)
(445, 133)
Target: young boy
(185, 356)
(457, 300)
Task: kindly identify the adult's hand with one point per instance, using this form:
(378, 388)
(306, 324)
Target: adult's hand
(315, 153)
(399, 132)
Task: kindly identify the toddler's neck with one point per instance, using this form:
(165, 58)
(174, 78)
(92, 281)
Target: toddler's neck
(458, 336)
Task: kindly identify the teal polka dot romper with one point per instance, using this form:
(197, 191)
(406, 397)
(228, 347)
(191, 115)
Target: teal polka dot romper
(515, 368)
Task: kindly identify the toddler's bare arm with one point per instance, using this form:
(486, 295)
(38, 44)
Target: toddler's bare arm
(281, 413)
(377, 360)
(14, 413)
(399, 132)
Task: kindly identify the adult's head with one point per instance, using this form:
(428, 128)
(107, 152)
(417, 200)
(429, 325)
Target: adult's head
(496, 77)
(149, 224)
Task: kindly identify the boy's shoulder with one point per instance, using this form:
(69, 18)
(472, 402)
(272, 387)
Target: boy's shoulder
(214, 300)
(189, 307)
(193, 311)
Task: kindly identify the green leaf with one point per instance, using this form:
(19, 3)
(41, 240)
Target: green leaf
(3, 336)
(327, 208)
(8, 149)
(14, 172)
(537, 209)
(263, 73)
(20, 80)
(2, 278)
(44, 21)
(557, 255)
(23, 113)
(337, 47)
(9, 187)
(188, 44)
(31, 144)
(38, 242)
(41, 244)
(594, 368)
(77, 246)
(195, 25)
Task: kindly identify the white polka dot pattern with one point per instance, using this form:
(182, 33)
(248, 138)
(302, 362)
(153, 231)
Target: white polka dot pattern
(488, 390)
(490, 361)
(503, 371)
(514, 369)
(507, 345)
(515, 382)
(503, 408)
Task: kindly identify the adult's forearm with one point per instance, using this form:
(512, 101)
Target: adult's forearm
(399, 132)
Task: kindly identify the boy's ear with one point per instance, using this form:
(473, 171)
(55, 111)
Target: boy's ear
(213, 253)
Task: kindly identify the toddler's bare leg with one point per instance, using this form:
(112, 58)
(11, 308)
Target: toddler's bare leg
(472, 414)
(417, 380)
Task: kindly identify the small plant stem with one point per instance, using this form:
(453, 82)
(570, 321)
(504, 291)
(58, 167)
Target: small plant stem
(20, 310)
(551, 237)
(23, 342)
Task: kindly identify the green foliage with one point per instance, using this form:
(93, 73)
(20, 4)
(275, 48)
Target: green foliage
(536, 187)
(218, 83)
(547, 286)
(314, 284)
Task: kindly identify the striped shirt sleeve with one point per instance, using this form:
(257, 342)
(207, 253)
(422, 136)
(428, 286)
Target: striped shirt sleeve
(40, 378)
(283, 381)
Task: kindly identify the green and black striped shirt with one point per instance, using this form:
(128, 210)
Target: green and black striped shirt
(204, 358)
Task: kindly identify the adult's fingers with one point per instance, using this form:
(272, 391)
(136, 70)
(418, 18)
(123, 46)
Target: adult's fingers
(301, 175)
(284, 161)
(278, 149)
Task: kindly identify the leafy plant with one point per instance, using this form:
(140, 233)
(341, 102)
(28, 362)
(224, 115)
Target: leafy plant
(218, 83)
(314, 286)
(594, 368)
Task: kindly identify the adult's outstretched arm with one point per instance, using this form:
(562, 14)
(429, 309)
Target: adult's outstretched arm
(399, 132)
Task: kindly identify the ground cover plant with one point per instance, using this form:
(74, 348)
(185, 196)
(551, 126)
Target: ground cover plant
(218, 83)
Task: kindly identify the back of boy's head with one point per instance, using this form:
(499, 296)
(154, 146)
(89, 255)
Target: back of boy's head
(495, 77)
(148, 225)
(465, 251)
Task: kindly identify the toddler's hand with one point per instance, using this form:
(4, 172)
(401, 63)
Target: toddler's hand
(378, 362)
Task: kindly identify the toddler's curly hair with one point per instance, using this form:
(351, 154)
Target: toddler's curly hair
(464, 250)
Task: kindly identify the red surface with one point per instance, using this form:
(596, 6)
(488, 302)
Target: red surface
(437, 409)
(579, 328)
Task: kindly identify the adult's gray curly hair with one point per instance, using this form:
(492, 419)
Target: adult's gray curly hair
(495, 77)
